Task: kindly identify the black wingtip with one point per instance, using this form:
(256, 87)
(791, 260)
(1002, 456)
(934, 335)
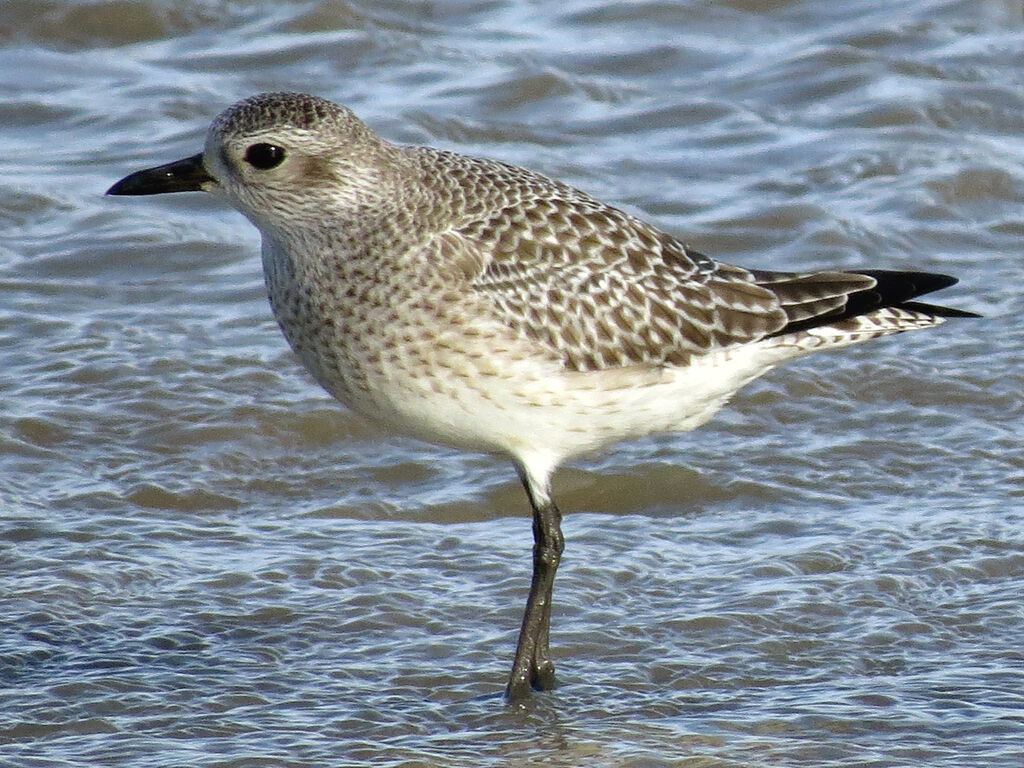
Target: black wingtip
(895, 287)
(891, 289)
(938, 311)
(898, 289)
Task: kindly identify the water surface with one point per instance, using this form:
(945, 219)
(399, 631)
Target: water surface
(206, 562)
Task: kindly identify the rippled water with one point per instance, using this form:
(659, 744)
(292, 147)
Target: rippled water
(206, 562)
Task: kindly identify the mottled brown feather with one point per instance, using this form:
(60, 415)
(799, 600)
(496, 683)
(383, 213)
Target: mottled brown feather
(599, 288)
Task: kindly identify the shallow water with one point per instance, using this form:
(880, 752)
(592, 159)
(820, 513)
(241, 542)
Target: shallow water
(204, 561)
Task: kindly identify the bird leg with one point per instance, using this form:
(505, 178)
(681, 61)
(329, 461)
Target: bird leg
(532, 667)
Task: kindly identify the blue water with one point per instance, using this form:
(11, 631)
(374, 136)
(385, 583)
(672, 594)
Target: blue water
(204, 561)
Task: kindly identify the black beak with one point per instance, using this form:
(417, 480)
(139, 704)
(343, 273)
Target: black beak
(186, 175)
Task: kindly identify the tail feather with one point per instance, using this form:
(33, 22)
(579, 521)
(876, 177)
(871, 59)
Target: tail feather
(847, 295)
(936, 310)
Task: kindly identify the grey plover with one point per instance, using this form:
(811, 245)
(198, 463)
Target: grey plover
(479, 304)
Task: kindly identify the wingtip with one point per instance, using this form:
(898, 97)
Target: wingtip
(938, 311)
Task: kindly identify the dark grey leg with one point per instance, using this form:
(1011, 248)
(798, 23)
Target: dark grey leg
(532, 667)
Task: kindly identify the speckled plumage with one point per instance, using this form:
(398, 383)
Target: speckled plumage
(468, 301)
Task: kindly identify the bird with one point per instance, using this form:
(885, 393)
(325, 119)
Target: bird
(470, 302)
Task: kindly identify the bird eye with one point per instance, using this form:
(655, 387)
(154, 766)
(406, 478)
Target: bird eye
(264, 156)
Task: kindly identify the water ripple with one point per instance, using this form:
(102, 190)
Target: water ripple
(204, 561)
